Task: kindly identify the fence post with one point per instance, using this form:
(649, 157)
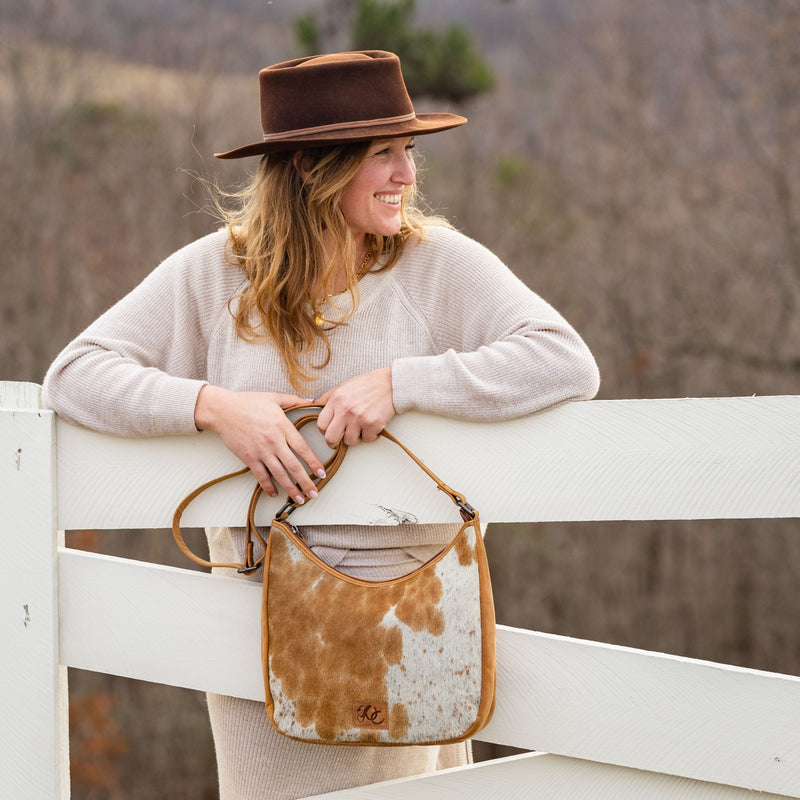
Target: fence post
(34, 758)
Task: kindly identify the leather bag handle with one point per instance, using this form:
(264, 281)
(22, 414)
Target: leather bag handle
(250, 565)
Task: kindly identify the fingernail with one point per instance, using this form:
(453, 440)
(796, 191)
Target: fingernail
(320, 473)
(299, 500)
(313, 493)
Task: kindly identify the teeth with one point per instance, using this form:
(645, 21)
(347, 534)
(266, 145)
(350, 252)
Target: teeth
(389, 198)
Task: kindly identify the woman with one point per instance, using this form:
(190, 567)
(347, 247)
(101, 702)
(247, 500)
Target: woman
(326, 283)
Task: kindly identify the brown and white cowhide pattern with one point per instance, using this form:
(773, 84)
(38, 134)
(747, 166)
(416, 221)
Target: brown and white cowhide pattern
(399, 662)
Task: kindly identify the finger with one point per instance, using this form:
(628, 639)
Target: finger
(281, 475)
(303, 449)
(262, 476)
(294, 470)
(335, 433)
(369, 425)
(352, 435)
(326, 415)
(323, 399)
(288, 400)
(370, 434)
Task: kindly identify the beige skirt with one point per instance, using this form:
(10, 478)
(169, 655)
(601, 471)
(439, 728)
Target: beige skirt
(255, 762)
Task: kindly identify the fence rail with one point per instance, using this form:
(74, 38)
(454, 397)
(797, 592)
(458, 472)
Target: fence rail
(607, 721)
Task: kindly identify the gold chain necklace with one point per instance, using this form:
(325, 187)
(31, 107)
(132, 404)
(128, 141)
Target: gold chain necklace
(319, 305)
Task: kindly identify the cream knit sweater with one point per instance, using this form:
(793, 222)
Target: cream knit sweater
(464, 337)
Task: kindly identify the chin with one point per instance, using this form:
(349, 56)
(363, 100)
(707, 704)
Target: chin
(383, 228)
(391, 228)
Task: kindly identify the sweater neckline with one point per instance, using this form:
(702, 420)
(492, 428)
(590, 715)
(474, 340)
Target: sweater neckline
(340, 305)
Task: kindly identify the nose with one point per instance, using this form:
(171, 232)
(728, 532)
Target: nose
(405, 171)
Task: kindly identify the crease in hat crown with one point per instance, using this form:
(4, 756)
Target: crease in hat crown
(337, 98)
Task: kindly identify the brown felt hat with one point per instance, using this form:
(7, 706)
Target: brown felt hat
(337, 98)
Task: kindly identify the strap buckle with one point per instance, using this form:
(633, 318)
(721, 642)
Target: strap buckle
(283, 512)
(467, 511)
(249, 564)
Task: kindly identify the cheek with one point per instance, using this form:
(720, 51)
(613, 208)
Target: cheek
(352, 208)
(356, 196)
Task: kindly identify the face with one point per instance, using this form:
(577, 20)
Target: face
(371, 201)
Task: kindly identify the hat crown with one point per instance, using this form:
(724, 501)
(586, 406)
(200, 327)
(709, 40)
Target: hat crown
(329, 92)
(335, 99)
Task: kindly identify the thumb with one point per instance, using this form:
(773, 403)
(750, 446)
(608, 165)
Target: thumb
(288, 400)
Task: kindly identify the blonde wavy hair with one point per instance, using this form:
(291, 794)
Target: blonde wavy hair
(277, 224)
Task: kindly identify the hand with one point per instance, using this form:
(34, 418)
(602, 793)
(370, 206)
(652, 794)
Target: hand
(255, 428)
(358, 409)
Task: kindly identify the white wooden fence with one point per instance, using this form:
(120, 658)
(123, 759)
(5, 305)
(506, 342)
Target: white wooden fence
(607, 722)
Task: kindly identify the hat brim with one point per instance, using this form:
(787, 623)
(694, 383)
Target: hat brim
(420, 125)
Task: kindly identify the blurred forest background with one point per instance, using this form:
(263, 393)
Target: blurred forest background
(637, 162)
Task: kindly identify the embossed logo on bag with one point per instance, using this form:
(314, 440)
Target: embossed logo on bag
(370, 714)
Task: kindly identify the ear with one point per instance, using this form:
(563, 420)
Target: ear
(300, 161)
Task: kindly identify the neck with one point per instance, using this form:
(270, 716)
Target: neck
(337, 281)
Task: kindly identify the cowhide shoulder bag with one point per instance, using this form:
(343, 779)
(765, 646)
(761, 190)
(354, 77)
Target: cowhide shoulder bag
(404, 661)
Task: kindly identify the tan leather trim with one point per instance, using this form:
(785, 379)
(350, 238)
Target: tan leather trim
(338, 126)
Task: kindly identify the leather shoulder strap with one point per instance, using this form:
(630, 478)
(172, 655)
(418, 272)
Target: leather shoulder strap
(468, 513)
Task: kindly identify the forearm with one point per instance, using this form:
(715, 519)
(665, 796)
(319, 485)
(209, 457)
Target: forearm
(497, 350)
(503, 380)
(137, 369)
(107, 392)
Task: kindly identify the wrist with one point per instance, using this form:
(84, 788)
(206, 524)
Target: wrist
(390, 385)
(207, 406)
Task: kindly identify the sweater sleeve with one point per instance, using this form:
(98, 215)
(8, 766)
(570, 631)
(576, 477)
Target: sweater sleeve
(137, 370)
(502, 351)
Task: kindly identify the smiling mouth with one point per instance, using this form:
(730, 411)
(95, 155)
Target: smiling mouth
(390, 199)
